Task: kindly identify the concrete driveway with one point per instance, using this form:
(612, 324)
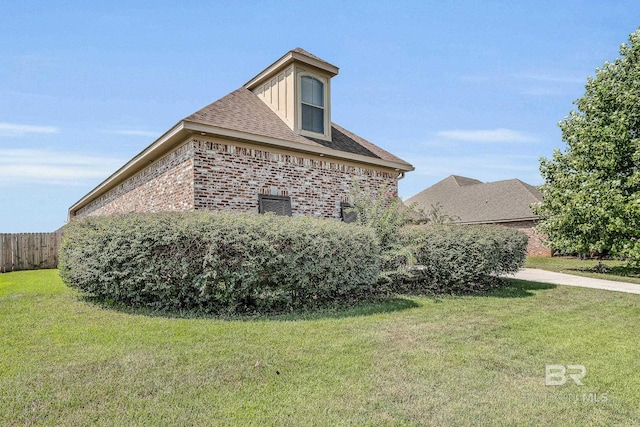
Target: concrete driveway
(536, 275)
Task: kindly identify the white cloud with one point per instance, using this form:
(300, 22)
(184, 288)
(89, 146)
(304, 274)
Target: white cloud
(547, 76)
(50, 167)
(554, 78)
(488, 136)
(145, 133)
(491, 165)
(538, 83)
(12, 129)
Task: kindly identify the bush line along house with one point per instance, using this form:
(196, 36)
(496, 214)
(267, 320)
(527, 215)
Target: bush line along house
(269, 146)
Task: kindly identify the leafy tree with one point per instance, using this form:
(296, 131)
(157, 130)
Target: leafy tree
(592, 190)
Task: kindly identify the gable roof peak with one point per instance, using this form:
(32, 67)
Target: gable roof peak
(463, 181)
(301, 51)
(295, 55)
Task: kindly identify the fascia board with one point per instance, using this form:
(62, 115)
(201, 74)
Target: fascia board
(146, 156)
(331, 69)
(296, 146)
(498, 221)
(288, 58)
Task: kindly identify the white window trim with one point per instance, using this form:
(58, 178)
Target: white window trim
(327, 105)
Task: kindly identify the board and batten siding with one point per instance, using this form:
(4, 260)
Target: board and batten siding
(277, 93)
(29, 251)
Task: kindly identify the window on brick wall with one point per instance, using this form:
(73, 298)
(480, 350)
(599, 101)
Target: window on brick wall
(279, 205)
(347, 213)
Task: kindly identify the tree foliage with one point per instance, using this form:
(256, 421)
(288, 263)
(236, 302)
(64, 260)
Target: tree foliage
(592, 190)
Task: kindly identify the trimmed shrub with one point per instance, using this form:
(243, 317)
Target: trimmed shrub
(220, 263)
(462, 258)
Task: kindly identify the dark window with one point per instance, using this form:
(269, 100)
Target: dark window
(348, 213)
(312, 119)
(279, 205)
(312, 98)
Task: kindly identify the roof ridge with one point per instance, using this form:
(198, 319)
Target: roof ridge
(503, 180)
(530, 188)
(533, 191)
(464, 181)
(309, 54)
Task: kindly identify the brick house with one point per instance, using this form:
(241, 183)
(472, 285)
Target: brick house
(267, 146)
(469, 201)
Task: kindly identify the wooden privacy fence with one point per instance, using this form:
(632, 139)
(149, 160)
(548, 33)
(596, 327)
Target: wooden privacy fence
(29, 251)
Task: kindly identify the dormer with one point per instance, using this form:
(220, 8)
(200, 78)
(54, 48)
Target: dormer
(297, 87)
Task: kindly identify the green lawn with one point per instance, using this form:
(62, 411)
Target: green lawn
(617, 270)
(473, 360)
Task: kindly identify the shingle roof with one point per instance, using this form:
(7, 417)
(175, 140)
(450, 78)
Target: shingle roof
(310, 55)
(468, 200)
(243, 111)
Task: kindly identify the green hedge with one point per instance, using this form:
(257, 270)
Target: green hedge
(231, 263)
(460, 258)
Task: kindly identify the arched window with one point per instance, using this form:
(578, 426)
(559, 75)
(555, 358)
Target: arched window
(312, 99)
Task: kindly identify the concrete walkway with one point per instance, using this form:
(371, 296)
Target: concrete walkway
(535, 275)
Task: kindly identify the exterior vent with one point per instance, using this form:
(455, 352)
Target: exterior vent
(279, 205)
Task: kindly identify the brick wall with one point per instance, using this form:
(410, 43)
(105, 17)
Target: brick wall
(165, 185)
(230, 177)
(535, 246)
(224, 175)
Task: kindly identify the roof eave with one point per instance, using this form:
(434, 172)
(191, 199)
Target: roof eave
(285, 60)
(158, 148)
(498, 221)
(296, 146)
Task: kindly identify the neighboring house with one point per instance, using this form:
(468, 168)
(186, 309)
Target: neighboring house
(469, 201)
(269, 146)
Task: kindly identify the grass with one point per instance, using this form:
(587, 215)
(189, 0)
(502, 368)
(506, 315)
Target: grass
(616, 270)
(472, 360)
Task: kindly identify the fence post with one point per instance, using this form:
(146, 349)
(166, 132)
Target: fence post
(4, 253)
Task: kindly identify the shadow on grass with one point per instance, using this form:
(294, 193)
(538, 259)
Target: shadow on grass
(502, 288)
(618, 270)
(514, 288)
(387, 305)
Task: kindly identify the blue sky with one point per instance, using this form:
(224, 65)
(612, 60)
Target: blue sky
(473, 88)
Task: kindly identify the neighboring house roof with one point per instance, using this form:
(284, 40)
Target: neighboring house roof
(469, 201)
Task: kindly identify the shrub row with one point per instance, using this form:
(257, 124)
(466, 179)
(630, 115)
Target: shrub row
(461, 258)
(241, 263)
(231, 263)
